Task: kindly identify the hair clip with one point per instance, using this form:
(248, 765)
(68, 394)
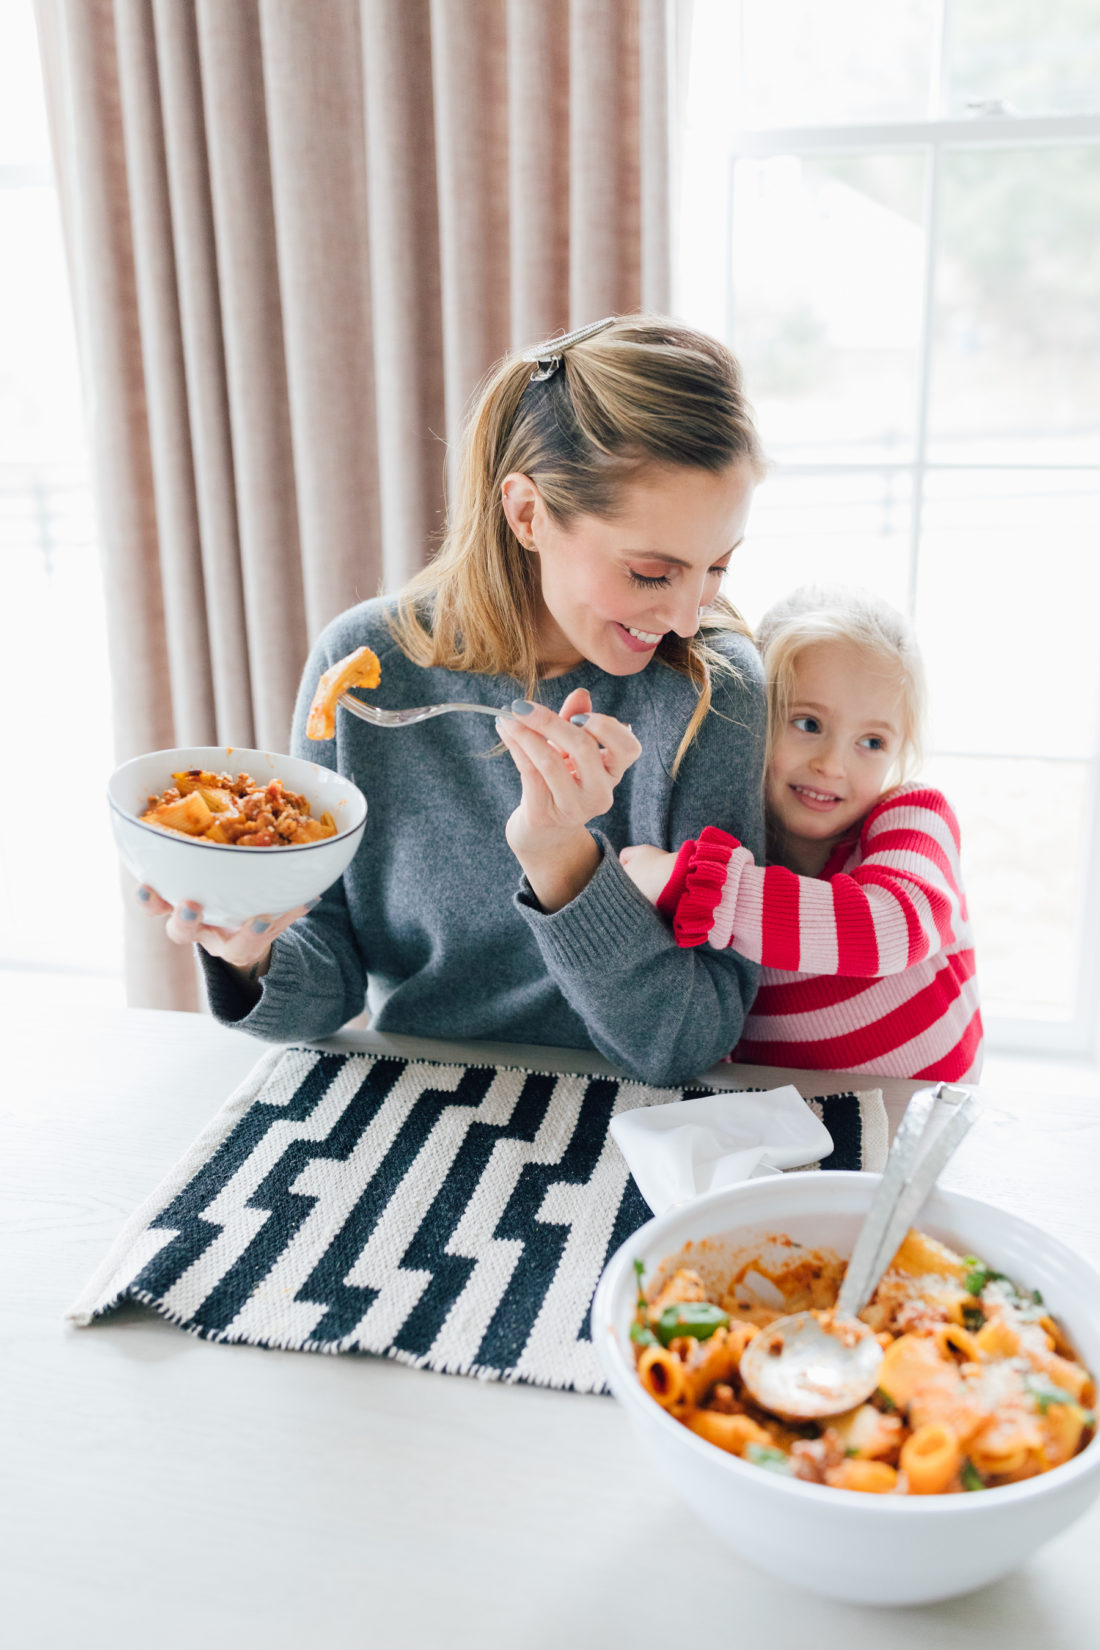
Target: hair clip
(546, 365)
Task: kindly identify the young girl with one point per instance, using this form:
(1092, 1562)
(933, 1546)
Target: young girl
(860, 919)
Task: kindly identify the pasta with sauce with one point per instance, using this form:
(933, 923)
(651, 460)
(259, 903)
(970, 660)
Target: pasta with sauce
(215, 807)
(978, 1385)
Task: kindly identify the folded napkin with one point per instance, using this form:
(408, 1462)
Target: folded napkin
(679, 1151)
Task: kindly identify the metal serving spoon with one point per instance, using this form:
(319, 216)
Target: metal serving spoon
(808, 1365)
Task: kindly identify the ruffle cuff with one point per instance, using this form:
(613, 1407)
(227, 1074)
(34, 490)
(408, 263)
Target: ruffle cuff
(704, 885)
(672, 892)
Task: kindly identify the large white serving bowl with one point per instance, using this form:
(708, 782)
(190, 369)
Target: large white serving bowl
(865, 1549)
(233, 883)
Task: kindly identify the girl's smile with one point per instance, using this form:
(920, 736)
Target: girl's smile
(832, 754)
(820, 801)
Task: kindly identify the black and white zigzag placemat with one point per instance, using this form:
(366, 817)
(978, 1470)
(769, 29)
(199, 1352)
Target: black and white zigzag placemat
(456, 1217)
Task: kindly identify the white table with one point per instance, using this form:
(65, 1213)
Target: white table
(159, 1490)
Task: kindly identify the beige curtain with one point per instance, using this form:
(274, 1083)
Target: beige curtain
(299, 233)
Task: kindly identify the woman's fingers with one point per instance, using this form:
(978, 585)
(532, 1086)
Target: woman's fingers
(149, 900)
(579, 739)
(579, 758)
(617, 741)
(577, 703)
(525, 767)
(184, 922)
(251, 942)
(567, 777)
(241, 946)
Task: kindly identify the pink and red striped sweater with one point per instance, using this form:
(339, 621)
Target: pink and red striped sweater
(869, 967)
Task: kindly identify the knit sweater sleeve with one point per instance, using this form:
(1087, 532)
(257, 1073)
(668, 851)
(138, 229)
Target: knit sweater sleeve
(316, 978)
(900, 904)
(662, 1013)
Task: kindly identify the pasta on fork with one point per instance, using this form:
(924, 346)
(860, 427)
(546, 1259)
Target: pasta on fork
(358, 669)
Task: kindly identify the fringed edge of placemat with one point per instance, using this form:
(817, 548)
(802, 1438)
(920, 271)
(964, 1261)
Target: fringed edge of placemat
(333, 1349)
(875, 1125)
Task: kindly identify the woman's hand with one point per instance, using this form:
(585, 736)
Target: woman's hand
(247, 948)
(569, 775)
(648, 868)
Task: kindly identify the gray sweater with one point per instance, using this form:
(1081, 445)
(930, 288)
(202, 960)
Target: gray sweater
(433, 921)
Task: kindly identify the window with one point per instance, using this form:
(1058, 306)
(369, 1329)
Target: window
(58, 877)
(891, 214)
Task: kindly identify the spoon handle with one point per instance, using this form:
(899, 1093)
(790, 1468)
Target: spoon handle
(915, 1162)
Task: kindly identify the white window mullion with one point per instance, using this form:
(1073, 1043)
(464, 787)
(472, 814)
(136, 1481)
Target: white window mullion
(730, 305)
(977, 132)
(933, 164)
(939, 84)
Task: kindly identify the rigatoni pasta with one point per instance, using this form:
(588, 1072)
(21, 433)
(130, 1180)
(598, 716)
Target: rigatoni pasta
(216, 807)
(978, 1386)
(358, 669)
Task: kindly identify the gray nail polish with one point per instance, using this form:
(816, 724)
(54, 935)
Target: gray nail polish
(189, 914)
(522, 707)
(578, 721)
(260, 926)
(143, 895)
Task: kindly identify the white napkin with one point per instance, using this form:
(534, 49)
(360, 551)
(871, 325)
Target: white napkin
(677, 1152)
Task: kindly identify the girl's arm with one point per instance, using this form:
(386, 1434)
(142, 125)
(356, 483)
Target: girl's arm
(902, 903)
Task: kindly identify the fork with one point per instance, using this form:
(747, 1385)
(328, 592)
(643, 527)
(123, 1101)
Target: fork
(406, 718)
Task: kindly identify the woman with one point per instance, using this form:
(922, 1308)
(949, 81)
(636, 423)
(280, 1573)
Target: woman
(598, 503)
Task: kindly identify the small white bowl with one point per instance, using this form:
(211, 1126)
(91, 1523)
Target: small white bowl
(864, 1549)
(230, 883)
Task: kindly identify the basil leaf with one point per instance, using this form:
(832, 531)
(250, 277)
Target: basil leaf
(973, 1318)
(979, 1274)
(971, 1477)
(641, 1335)
(698, 1318)
(775, 1460)
(1045, 1392)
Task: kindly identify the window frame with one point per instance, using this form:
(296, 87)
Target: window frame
(1079, 1033)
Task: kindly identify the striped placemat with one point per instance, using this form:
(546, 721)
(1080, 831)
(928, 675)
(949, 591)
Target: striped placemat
(452, 1216)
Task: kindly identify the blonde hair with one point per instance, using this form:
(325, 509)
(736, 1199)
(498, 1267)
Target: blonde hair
(646, 390)
(834, 613)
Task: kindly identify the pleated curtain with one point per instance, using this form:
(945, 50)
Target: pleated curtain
(299, 233)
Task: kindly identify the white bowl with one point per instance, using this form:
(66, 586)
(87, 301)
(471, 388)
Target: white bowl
(865, 1549)
(230, 883)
